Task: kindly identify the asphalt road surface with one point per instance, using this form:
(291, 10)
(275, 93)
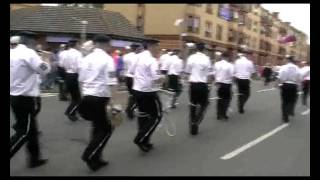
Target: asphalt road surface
(259, 143)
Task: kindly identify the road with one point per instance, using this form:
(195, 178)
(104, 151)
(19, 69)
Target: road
(283, 153)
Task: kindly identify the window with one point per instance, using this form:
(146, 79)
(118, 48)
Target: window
(193, 24)
(231, 35)
(248, 23)
(242, 19)
(262, 45)
(282, 51)
(209, 8)
(253, 42)
(208, 30)
(219, 33)
(241, 39)
(140, 23)
(248, 41)
(225, 12)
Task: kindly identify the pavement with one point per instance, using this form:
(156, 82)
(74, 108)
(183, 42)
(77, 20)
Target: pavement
(261, 144)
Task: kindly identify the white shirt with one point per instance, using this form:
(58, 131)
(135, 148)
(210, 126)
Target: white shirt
(145, 71)
(223, 71)
(96, 72)
(243, 68)
(164, 62)
(290, 73)
(60, 57)
(199, 67)
(305, 72)
(70, 60)
(129, 60)
(25, 67)
(175, 66)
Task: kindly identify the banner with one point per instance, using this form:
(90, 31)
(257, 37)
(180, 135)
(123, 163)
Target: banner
(287, 39)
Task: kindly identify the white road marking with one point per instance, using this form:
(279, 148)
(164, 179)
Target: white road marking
(213, 98)
(305, 112)
(48, 94)
(263, 90)
(253, 143)
(121, 92)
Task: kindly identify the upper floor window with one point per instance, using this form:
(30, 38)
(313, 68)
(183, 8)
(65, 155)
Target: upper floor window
(208, 29)
(140, 23)
(193, 24)
(209, 8)
(219, 32)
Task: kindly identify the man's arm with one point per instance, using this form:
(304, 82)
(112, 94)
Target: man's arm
(41, 66)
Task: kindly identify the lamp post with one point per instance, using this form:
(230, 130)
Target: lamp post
(83, 30)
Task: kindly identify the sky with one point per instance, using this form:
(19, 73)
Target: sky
(297, 14)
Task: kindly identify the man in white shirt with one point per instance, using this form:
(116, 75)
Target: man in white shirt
(164, 62)
(290, 77)
(174, 71)
(146, 75)
(243, 69)
(14, 41)
(25, 67)
(223, 72)
(198, 67)
(305, 73)
(70, 63)
(96, 74)
(62, 73)
(129, 60)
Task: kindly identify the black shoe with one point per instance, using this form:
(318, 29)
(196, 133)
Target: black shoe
(143, 147)
(292, 114)
(241, 111)
(130, 115)
(219, 117)
(173, 107)
(285, 119)
(194, 129)
(72, 118)
(102, 162)
(149, 145)
(93, 165)
(38, 163)
(225, 117)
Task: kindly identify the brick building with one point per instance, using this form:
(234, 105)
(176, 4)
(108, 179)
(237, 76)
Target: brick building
(220, 25)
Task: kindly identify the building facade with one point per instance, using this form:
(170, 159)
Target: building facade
(221, 26)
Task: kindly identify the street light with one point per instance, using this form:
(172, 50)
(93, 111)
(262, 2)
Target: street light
(84, 28)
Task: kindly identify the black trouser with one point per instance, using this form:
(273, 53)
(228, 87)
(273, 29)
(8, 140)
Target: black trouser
(131, 101)
(244, 92)
(174, 85)
(305, 89)
(267, 80)
(74, 90)
(150, 114)
(289, 98)
(62, 83)
(165, 83)
(199, 94)
(224, 98)
(93, 109)
(25, 110)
